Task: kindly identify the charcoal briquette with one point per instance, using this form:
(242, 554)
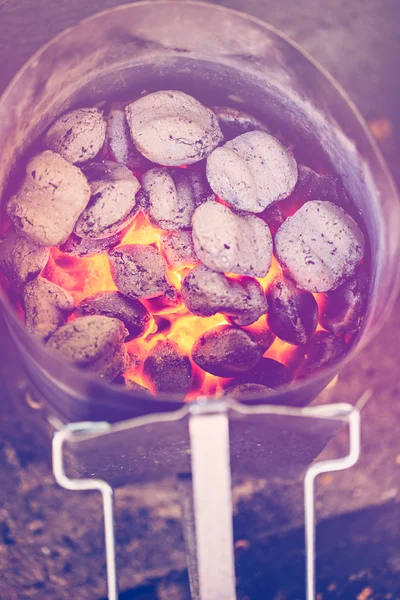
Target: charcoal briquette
(21, 259)
(168, 371)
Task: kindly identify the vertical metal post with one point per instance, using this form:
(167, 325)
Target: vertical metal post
(209, 440)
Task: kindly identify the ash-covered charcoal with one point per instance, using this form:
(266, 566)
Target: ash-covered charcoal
(78, 135)
(262, 335)
(168, 371)
(234, 122)
(292, 313)
(178, 249)
(247, 391)
(50, 200)
(95, 343)
(112, 203)
(171, 196)
(343, 309)
(206, 293)
(324, 350)
(252, 171)
(226, 351)
(139, 271)
(132, 313)
(21, 259)
(227, 242)
(119, 141)
(47, 307)
(173, 129)
(138, 389)
(319, 246)
(85, 247)
(268, 372)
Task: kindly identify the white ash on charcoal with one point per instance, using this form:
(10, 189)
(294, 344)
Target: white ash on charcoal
(292, 312)
(235, 122)
(131, 312)
(206, 293)
(47, 307)
(95, 343)
(267, 372)
(178, 249)
(247, 391)
(21, 259)
(228, 242)
(139, 271)
(51, 198)
(319, 246)
(119, 141)
(226, 351)
(86, 247)
(324, 350)
(112, 204)
(252, 171)
(78, 136)
(170, 197)
(136, 388)
(343, 309)
(168, 371)
(172, 128)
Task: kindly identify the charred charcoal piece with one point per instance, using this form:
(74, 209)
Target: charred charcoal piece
(227, 242)
(262, 335)
(313, 186)
(47, 307)
(234, 122)
(78, 135)
(292, 313)
(94, 343)
(178, 249)
(139, 390)
(268, 372)
(167, 371)
(83, 248)
(173, 129)
(132, 313)
(50, 200)
(320, 246)
(168, 302)
(21, 259)
(226, 351)
(118, 140)
(112, 203)
(343, 309)
(139, 271)
(247, 391)
(252, 171)
(324, 350)
(206, 293)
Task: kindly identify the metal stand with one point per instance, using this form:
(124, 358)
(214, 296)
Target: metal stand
(209, 540)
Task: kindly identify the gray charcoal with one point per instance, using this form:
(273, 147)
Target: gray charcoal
(324, 350)
(226, 351)
(78, 136)
(139, 271)
(268, 372)
(139, 390)
(168, 371)
(228, 242)
(343, 309)
(234, 122)
(83, 248)
(173, 129)
(95, 343)
(168, 302)
(132, 313)
(21, 259)
(178, 249)
(252, 171)
(112, 203)
(50, 200)
(171, 196)
(47, 307)
(247, 391)
(292, 313)
(119, 141)
(206, 293)
(319, 246)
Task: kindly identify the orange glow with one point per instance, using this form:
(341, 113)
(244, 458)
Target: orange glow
(274, 271)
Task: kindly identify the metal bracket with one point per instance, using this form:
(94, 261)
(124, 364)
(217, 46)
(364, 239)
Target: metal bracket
(209, 428)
